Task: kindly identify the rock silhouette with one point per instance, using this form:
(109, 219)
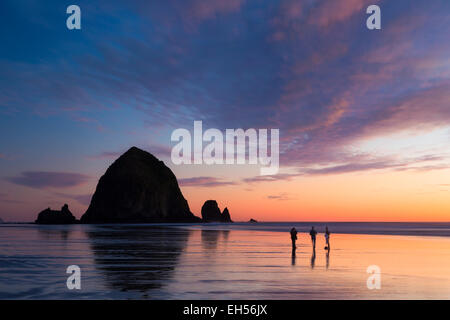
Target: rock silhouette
(226, 215)
(137, 188)
(211, 212)
(252, 220)
(63, 216)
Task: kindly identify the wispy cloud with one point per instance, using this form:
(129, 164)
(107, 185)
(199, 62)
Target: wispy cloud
(269, 178)
(107, 155)
(361, 163)
(84, 199)
(351, 167)
(414, 164)
(47, 179)
(204, 182)
(327, 13)
(280, 197)
(157, 150)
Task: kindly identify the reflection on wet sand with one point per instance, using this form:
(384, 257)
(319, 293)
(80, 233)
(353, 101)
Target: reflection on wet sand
(137, 258)
(327, 257)
(147, 261)
(210, 238)
(313, 258)
(54, 232)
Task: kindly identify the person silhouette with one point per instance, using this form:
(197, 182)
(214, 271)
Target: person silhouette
(313, 234)
(293, 238)
(327, 238)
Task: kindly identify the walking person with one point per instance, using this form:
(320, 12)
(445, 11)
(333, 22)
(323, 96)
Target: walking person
(313, 234)
(327, 238)
(293, 238)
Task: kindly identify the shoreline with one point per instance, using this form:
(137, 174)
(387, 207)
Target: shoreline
(432, 229)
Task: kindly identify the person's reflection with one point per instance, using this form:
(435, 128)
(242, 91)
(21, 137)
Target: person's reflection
(328, 257)
(210, 238)
(136, 258)
(313, 258)
(293, 257)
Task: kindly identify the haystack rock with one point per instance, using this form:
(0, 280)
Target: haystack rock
(49, 216)
(211, 212)
(138, 188)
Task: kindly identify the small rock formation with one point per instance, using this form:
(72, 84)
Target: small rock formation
(63, 216)
(211, 212)
(1, 221)
(138, 188)
(226, 215)
(252, 221)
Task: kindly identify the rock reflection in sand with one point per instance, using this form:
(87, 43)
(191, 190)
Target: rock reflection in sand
(137, 257)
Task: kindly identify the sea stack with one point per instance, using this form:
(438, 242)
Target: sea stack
(49, 216)
(138, 188)
(226, 215)
(211, 212)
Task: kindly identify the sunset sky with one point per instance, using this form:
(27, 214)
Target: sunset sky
(364, 115)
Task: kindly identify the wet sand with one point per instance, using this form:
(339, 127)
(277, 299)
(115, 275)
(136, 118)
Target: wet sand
(144, 262)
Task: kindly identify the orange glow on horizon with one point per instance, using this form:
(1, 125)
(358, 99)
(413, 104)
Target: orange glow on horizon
(374, 196)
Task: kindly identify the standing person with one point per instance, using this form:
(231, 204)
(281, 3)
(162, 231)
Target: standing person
(327, 238)
(293, 238)
(313, 234)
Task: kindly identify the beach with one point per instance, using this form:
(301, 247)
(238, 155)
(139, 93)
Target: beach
(219, 261)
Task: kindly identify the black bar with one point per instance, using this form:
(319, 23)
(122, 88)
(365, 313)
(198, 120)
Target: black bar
(241, 309)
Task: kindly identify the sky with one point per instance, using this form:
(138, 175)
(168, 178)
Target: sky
(363, 115)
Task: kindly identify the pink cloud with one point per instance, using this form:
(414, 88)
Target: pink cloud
(201, 10)
(157, 150)
(204, 182)
(317, 58)
(84, 199)
(331, 12)
(280, 197)
(425, 109)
